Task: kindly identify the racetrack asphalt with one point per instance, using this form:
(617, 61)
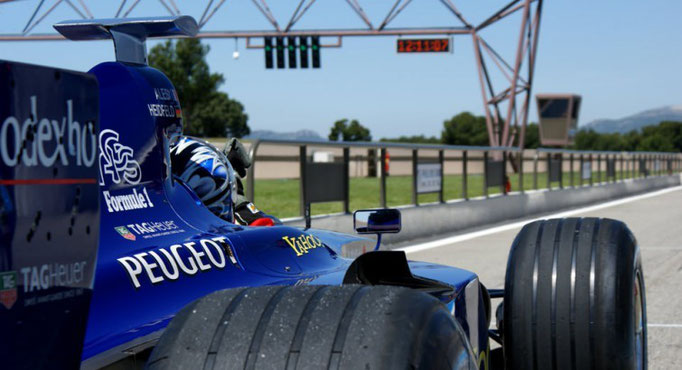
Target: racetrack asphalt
(656, 221)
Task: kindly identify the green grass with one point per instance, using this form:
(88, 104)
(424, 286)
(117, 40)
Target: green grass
(281, 197)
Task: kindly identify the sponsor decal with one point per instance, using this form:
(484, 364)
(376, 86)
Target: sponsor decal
(70, 293)
(252, 208)
(169, 263)
(127, 201)
(151, 229)
(165, 94)
(46, 141)
(50, 275)
(162, 110)
(8, 288)
(125, 233)
(303, 243)
(305, 281)
(116, 160)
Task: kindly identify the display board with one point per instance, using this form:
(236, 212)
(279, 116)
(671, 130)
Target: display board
(555, 169)
(610, 167)
(429, 177)
(494, 174)
(586, 171)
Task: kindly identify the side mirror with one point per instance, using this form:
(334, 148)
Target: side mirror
(376, 221)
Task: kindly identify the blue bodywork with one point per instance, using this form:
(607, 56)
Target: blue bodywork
(160, 248)
(139, 104)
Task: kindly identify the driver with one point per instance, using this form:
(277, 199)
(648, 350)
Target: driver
(215, 177)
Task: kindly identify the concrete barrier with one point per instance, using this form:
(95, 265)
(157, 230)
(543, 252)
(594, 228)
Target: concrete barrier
(434, 219)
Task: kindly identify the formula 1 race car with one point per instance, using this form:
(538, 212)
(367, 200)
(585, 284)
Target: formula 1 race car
(106, 260)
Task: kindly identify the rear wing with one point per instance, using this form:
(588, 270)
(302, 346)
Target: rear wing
(129, 34)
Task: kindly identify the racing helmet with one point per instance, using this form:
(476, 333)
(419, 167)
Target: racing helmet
(207, 171)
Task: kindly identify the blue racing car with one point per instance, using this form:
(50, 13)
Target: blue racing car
(107, 260)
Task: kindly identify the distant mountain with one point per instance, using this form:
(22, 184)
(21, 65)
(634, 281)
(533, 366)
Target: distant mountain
(636, 121)
(303, 135)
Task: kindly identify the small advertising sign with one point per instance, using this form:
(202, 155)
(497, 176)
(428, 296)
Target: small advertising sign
(428, 178)
(587, 171)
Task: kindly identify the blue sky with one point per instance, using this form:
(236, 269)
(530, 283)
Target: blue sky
(621, 56)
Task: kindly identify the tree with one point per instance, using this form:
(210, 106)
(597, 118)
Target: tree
(337, 131)
(206, 111)
(532, 137)
(349, 132)
(465, 129)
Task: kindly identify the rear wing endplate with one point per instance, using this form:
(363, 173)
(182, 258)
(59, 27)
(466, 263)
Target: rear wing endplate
(129, 34)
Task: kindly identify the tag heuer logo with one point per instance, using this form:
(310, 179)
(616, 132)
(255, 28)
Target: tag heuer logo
(8, 288)
(125, 233)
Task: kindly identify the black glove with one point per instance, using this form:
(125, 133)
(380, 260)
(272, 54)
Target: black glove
(238, 157)
(246, 213)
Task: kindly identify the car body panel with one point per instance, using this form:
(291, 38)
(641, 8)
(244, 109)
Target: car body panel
(160, 248)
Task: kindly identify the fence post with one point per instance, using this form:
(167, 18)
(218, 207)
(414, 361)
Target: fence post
(570, 156)
(535, 171)
(302, 159)
(382, 180)
(346, 169)
(465, 193)
(561, 170)
(485, 173)
(415, 157)
(591, 171)
(441, 160)
(549, 180)
(503, 186)
(521, 187)
(580, 170)
(599, 167)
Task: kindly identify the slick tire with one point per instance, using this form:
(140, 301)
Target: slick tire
(574, 297)
(314, 327)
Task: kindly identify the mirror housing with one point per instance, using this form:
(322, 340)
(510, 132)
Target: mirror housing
(377, 221)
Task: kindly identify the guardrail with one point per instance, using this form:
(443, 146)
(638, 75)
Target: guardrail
(498, 162)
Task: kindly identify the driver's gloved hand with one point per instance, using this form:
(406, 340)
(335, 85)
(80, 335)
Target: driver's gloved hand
(246, 213)
(238, 157)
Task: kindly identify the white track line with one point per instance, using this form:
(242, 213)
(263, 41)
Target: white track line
(515, 225)
(677, 326)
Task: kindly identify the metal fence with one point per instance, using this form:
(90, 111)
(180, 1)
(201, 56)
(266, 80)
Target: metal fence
(323, 182)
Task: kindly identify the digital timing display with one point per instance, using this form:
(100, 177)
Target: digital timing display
(423, 45)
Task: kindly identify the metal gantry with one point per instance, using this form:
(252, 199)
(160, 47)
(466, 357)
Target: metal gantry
(506, 100)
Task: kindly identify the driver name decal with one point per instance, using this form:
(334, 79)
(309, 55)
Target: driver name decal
(170, 263)
(303, 243)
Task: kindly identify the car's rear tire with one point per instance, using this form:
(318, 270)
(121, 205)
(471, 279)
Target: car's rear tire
(301, 327)
(574, 297)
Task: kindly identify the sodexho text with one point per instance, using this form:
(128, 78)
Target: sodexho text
(47, 140)
(169, 263)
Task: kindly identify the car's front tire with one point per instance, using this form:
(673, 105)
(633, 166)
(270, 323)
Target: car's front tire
(314, 327)
(574, 297)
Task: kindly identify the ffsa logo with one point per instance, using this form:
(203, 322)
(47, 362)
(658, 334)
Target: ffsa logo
(45, 141)
(117, 160)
